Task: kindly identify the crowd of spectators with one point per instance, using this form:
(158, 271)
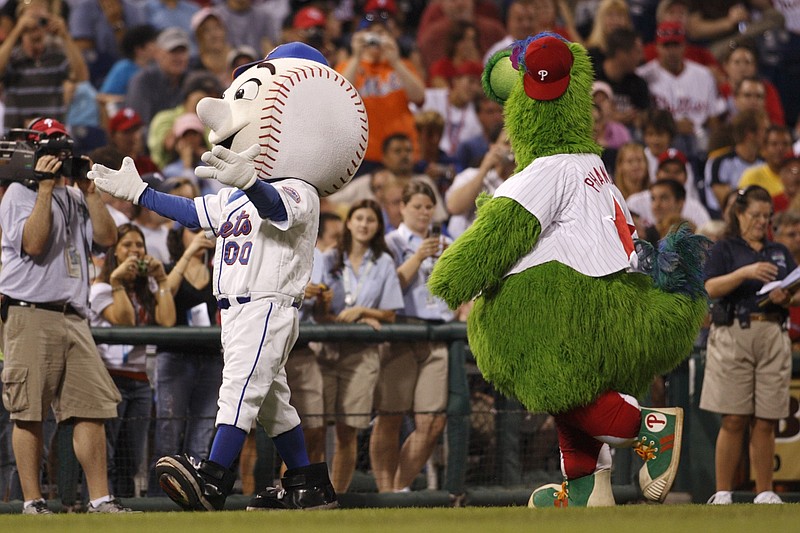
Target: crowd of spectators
(694, 100)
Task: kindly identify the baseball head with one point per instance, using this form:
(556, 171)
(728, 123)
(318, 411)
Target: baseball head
(308, 119)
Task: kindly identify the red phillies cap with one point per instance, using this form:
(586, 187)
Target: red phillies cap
(381, 5)
(48, 126)
(548, 61)
(670, 32)
(308, 17)
(469, 68)
(672, 154)
(124, 119)
(789, 157)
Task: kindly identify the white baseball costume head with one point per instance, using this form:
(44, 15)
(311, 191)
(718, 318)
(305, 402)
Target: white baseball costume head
(308, 119)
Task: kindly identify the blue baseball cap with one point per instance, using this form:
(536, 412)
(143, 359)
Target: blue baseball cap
(294, 50)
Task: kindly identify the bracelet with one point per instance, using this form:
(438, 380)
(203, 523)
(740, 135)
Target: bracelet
(163, 291)
(115, 289)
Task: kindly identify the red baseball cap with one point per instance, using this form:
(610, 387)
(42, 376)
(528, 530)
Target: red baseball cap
(125, 119)
(309, 17)
(670, 155)
(381, 5)
(670, 31)
(469, 68)
(48, 126)
(789, 157)
(548, 61)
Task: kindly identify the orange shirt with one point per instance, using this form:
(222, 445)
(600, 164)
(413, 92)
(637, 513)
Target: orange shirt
(386, 103)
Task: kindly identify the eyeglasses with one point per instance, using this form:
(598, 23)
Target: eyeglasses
(377, 16)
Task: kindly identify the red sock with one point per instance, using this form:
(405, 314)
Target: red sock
(582, 431)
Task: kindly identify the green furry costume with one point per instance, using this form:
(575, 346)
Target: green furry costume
(550, 336)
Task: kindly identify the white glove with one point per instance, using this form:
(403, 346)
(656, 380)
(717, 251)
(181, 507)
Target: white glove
(230, 168)
(124, 183)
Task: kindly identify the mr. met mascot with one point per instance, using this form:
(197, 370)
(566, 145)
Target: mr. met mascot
(288, 130)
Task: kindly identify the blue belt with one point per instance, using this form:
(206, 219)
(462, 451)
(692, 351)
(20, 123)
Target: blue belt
(225, 303)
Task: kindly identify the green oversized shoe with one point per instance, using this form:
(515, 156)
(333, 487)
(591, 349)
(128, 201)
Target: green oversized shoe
(593, 490)
(659, 445)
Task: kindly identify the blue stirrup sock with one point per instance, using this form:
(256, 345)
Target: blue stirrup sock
(291, 446)
(227, 445)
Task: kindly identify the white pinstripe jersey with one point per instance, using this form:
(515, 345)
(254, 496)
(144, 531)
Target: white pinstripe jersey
(257, 257)
(585, 222)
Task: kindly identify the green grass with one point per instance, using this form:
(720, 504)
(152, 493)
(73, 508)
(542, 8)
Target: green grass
(747, 518)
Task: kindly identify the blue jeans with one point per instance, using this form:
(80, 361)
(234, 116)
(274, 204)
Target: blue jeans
(126, 435)
(187, 387)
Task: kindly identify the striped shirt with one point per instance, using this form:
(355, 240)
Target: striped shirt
(585, 222)
(35, 87)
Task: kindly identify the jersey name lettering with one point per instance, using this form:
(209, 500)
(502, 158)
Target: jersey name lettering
(596, 178)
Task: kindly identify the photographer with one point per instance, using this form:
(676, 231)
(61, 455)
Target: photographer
(36, 59)
(51, 358)
(375, 68)
(131, 290)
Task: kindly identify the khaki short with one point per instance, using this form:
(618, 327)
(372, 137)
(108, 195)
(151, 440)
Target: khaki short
(413, 376)
(305, 381)
(51, 359)
(350, 380)
(748, 371)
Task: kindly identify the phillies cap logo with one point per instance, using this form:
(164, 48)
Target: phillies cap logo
(655, 422)
(543, 74)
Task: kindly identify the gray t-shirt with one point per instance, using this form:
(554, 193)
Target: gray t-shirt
(61, 273)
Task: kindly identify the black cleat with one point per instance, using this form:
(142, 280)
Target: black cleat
(305, 488)
(195, 486)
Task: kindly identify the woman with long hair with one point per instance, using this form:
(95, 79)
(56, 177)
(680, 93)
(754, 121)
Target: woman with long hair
(130, 290)
(611, 15)
(630, 174)
(360, 273)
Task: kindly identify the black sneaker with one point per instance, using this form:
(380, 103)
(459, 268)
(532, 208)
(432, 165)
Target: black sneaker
(195, 486)
(307, 488)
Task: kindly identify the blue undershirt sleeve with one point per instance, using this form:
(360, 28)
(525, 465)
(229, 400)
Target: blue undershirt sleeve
(267, 201)
(174, 207)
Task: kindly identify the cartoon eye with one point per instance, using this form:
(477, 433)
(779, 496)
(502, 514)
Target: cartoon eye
(248, 90)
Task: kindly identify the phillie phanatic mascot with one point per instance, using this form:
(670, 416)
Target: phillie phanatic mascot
(288, 130)
(568, 317)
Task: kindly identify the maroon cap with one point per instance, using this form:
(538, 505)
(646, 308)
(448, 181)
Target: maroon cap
(48, 126)
(548, 61)
(672, 154)
(670, 32)
(124, 119)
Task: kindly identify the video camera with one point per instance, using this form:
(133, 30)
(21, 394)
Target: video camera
(21, 148)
